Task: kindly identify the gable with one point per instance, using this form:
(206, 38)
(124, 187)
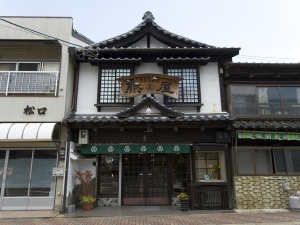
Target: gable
(147, 30)
(148, 106)
(153, 43)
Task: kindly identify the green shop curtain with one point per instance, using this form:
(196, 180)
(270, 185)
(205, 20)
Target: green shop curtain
(135, 148)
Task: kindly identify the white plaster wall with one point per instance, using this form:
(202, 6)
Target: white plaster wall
(82, 165)
(156, 44)
(87, 89)
(148, 68)
(210, 88)
(141, 43)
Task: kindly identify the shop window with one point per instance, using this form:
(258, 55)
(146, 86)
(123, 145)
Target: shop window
(110, 87)
(181, 173)
(268, 161)
(209, 165)
(18, 173)
(30, 169)
(265, 100)
(188, 88)
(42, 182)
(2, 161)
(109, 176)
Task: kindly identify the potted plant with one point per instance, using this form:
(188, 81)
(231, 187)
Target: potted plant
(216, 170)
(85, 178)
(184, 201)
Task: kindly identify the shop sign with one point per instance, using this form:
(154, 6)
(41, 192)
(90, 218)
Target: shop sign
(30, 110)
(265, 135)
(135, 148)
(143, 84)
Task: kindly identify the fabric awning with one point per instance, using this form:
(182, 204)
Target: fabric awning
(135, 148)
(26, 132)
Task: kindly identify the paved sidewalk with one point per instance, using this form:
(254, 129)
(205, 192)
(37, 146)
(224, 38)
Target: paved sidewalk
(155, 216)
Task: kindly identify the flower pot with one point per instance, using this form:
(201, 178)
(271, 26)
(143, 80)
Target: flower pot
(88, 206)
(217, 176)
(184, 205)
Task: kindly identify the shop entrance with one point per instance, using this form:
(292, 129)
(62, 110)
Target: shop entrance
(26, 181)
(145, 179)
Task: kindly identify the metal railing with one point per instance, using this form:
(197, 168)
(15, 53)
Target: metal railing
(28, 82)
(212, 196)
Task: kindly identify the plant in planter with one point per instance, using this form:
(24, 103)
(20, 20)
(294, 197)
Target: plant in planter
(184, 201)
(85, 178)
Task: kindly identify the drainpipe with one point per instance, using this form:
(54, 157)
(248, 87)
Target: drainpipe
(67, 158)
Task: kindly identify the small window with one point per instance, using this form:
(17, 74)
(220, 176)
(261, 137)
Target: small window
(188, 88)
(8, 66)
(110, 87)
(209, 164)
(28, 66)
(268, 161)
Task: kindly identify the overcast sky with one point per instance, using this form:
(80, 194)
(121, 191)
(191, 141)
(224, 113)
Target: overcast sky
(265, 30)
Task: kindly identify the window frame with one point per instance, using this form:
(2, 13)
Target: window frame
(256, 103)
(272, 161)
(99, 104)
(181, 67)
(38, 71)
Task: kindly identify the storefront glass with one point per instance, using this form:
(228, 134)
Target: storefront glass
(42, 182)
(17, 173)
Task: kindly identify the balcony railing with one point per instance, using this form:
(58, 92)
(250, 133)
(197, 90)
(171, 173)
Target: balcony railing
(29, 82)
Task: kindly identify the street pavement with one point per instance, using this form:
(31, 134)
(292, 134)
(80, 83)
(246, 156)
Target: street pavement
(245, 217)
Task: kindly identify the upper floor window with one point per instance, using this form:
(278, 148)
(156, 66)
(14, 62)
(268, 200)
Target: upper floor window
(188, 88)
(28, 77)
(265, 100)
(110, 87)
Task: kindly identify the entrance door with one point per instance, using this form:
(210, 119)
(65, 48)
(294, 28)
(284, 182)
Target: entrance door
(26, 179)
(145, 179)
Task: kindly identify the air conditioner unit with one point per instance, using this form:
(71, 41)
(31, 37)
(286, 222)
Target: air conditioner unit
(83, 137)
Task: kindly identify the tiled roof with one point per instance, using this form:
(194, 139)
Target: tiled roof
(164, 110)
(148, 18)
(108, 119)
(268, 124)
(115, 60)
(179, 59)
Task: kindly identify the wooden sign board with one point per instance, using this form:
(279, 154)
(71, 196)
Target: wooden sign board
(150, 83)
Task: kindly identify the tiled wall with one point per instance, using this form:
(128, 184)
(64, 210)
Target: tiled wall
(264, 192)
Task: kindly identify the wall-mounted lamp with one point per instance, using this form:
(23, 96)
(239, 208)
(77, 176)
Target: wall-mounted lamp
(175, 128)
(221, 70)
(149, 128)
(148, 110)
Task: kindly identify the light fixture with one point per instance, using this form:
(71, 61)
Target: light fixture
(175, 128)
(148, 110)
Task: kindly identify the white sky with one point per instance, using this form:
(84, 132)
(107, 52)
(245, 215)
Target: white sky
(265, 30)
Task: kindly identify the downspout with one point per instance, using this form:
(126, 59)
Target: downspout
(67, 158)
(69, 130)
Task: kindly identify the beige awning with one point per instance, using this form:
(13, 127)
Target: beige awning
(26, 132)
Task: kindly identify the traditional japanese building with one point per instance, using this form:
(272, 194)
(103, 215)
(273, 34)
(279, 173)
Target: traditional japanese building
(150, 120)
(265, 100)
(36, 86)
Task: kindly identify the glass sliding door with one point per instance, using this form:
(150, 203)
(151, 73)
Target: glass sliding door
(17, 173)
(2, 164)
(27, 179)
(42, 182)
